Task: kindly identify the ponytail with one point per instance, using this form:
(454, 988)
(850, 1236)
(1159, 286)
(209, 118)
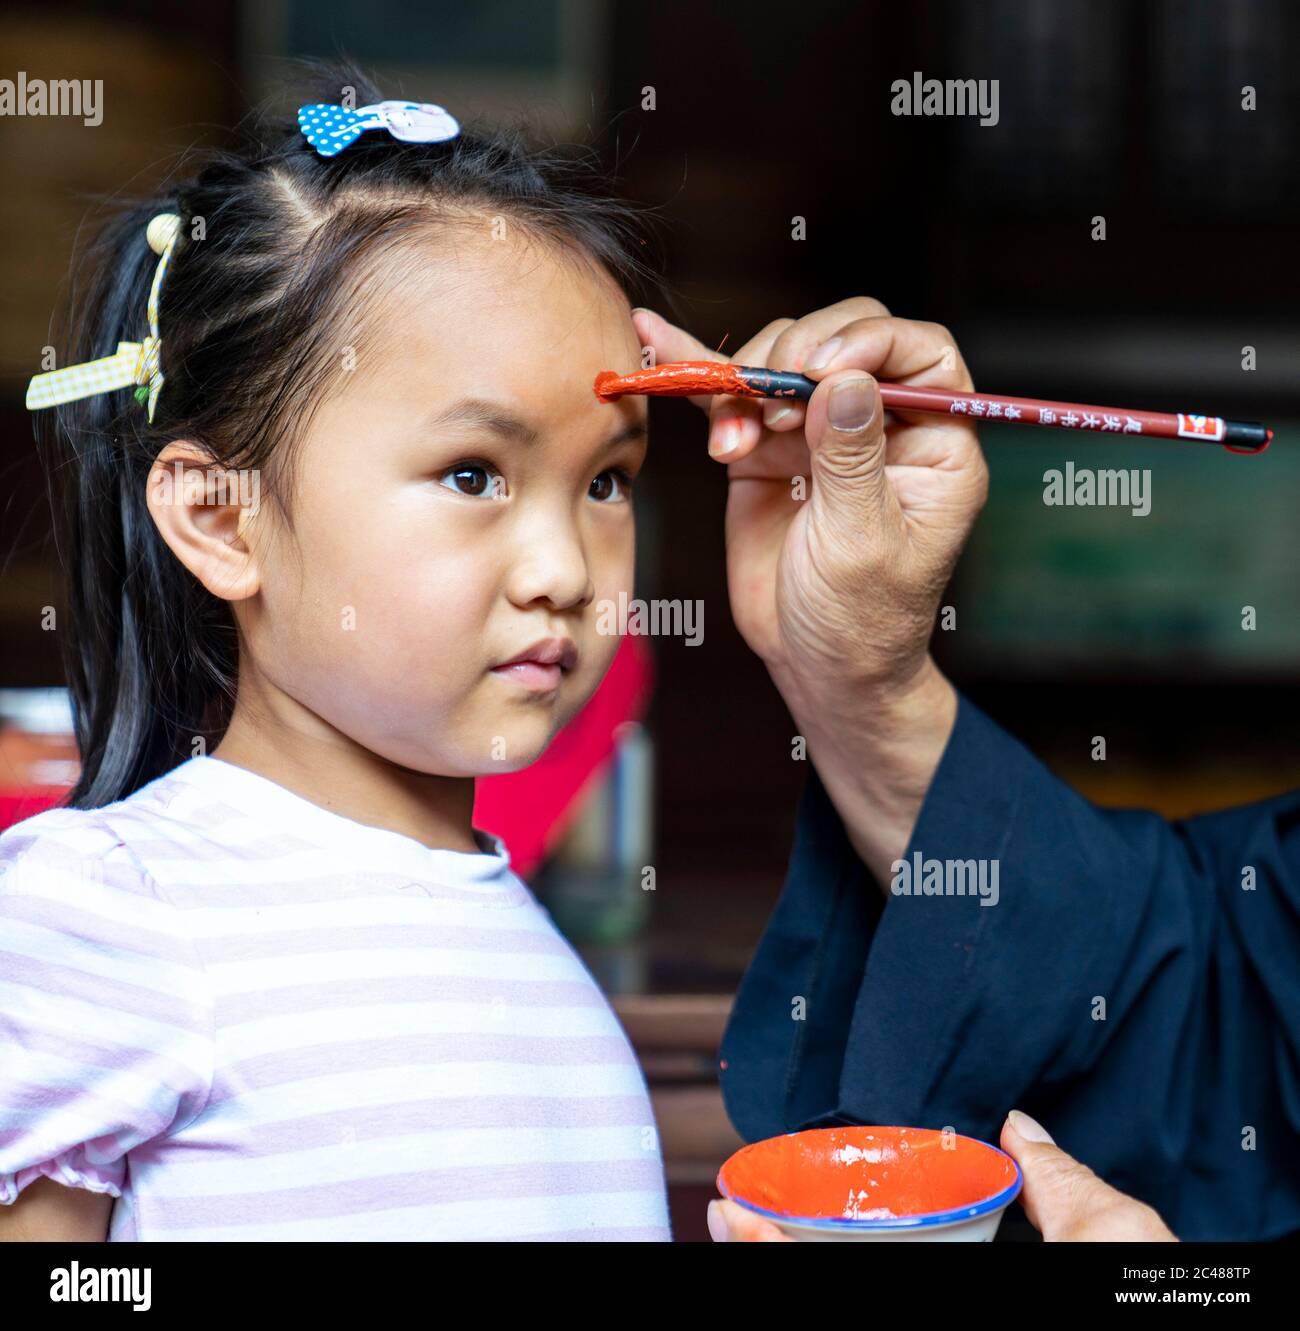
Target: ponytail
(148, 652)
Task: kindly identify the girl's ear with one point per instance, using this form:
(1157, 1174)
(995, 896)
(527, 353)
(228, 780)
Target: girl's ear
(203, 511)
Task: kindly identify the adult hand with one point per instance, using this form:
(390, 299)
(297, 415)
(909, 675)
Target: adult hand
(1065, 1201)
(843, 525)
(840, 580)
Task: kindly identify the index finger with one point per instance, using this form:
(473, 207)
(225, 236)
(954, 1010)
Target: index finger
(901, 351)
(795, 342)
(800, 339)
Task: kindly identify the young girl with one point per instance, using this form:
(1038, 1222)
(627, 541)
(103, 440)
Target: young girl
(345, 502)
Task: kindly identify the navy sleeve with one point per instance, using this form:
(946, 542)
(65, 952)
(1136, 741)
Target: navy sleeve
(1131, 982)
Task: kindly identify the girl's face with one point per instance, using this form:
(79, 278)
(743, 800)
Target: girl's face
(463, 497)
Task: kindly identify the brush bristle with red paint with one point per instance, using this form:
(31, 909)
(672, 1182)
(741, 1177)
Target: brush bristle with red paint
(690, 378)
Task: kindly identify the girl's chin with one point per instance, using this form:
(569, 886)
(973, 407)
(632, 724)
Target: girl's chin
(514, 746)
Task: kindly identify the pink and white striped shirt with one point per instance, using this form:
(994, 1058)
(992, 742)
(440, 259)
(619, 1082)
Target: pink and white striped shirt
(246, 1017)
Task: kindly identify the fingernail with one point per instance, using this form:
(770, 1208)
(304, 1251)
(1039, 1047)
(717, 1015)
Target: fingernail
(774, 415)
(726, 439)
(1029, 1128)
(823, 355)
(850, 404)
(717, 1225)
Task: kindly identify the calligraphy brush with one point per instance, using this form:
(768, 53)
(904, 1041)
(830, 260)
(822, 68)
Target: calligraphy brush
(690, 377)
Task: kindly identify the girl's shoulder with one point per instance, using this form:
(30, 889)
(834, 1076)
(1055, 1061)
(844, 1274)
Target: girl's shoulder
(77, 901)
(55, 836)
(101, 829)
(68, 853)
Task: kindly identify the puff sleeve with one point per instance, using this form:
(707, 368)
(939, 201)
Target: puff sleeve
(105, 1009)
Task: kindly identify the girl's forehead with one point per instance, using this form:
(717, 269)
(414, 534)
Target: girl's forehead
(468, 284)
(531, 334)
(473, 321)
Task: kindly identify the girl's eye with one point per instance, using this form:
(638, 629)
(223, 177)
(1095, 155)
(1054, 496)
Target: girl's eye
(475, 479)
(600, 486)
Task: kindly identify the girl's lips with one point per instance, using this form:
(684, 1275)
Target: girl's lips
(532, 675)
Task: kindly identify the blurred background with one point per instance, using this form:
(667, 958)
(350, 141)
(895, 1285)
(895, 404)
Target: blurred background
(1070, 622)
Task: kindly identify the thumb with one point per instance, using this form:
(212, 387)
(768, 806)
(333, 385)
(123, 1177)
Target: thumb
(730, 1223)
(845, 430)
(1060, 1195)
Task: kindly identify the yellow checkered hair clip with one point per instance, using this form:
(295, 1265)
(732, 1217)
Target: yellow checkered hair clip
(133, 362)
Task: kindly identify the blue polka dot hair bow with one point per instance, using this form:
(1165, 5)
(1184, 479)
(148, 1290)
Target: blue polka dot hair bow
(330, 128)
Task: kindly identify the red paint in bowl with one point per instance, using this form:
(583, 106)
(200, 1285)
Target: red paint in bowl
(871, 1176)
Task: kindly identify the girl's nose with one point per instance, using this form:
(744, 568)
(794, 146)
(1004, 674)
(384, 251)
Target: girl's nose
(550, 566)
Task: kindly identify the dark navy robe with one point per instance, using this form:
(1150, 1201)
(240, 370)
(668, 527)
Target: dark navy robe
(1135, 987)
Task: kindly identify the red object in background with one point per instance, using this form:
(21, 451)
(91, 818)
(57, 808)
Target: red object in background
(531, 809)
(38, 753)
(15, 805)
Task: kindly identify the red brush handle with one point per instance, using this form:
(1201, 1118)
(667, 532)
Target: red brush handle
(691, 378)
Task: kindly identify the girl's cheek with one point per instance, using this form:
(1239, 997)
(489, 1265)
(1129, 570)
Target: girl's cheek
(603, 643)
(614, 563)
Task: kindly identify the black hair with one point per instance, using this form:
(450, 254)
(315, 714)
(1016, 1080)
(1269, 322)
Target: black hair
(274, 245)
